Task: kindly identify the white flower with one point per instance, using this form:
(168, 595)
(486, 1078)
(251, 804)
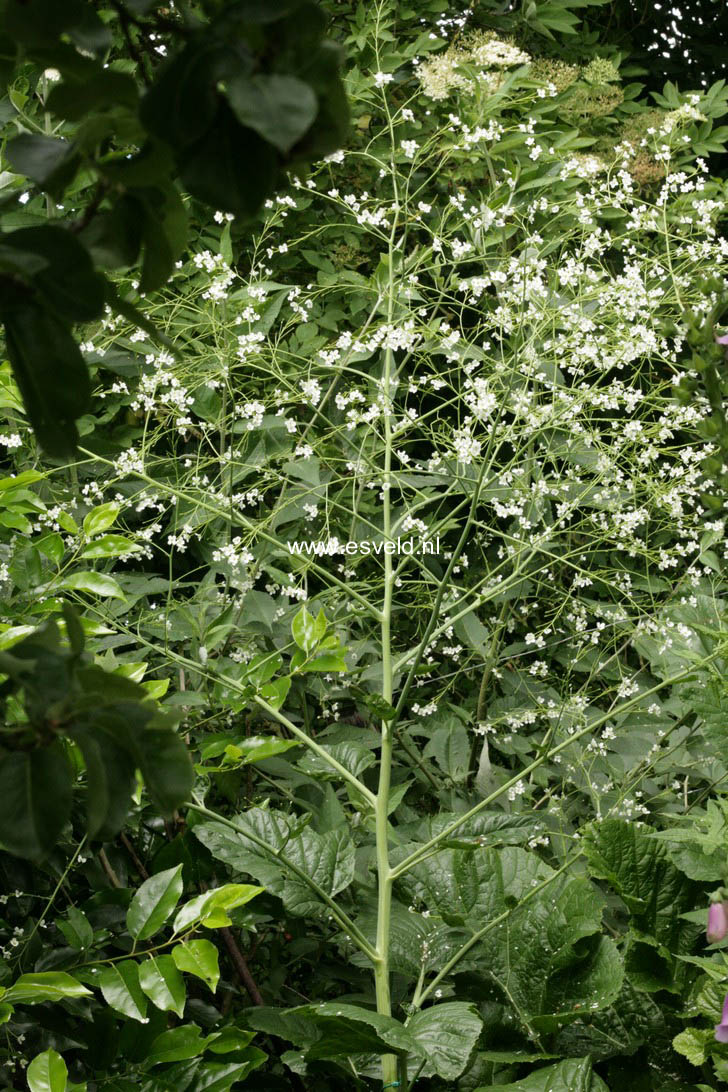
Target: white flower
(380, 78)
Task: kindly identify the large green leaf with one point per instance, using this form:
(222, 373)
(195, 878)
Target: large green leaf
(640, 871)
(278, 108)
(549, 957)
(51, 374)
(109, 773)
(211, 908)
(331, 1029)
(67, 280)
(166, 767)
(633, 1020)
(94, 583)
(100, 518)
(447, 1034)
(49, 161)
(154, 902)
(33, 989)
(121, 989)
(200, 958)
(35, 799)
(573, 1075)
(230, 167)
(47, 1073)
(328, 859)
(415, 940)
(161, 981)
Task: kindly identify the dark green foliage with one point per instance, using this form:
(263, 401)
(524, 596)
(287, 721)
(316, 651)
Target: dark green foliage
(115, 726)
(244, 93)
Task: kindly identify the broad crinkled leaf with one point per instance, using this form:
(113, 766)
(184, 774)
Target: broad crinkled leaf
(414, 940)
(328, 859)
(573, 1075)
(331, 1029)
(447, 1034)
(641, 872)
(549, 957)
(631, 1021)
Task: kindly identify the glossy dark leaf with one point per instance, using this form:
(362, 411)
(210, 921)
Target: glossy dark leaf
(40, 22)
(278, 108)
(181, 105)
(67, 282)
(114, 237)
(35, 799)
(230, 168)
(106, 89)
(51, 162)
(166, 768)
(109, 779)
(51, 374)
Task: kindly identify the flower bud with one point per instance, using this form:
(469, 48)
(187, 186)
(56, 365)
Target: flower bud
(717, 922)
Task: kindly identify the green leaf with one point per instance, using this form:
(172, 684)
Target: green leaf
(356, 757)
(109, 546)
(100, 518)
(327, 661)
(176, 1045)
(327, 858)
(47, 1073)
(230, 168)
(211, 908)
(50, 161)
(641, 872)
(35, 800)
(279, 108)
(450, 747)
(32, 989)
(109, 776)
(330, 1029)
(94, 583)
(447, 1034)
(106, 88)
(573, 1075)
(229, 1039)
(121, 989)
(67, 280)
(694, 1044)
(162, 982)
(200, 958)
(77, 929)
(549, 958)
(154, 902)
(166, 768)
(113, 238)
(303, 630)
(51, 374)
(180, 106)
(244, 751)
(275, 693)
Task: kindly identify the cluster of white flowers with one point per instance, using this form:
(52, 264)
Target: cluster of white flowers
(222, 276)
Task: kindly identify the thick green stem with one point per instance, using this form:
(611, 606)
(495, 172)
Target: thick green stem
(384, 878)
